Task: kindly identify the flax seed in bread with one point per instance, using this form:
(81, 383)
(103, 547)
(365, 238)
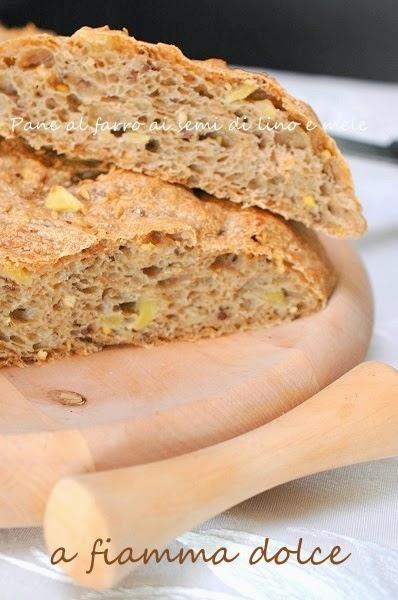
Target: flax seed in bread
(126, 258)
(99, 76)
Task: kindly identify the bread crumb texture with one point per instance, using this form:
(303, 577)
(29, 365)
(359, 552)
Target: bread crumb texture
(103, 76)
(90, 259)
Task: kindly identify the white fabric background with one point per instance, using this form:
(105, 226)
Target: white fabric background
(355, 507)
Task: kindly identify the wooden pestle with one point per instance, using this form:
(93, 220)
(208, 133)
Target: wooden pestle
(355, 419)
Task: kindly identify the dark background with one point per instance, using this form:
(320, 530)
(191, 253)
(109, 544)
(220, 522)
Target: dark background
(356, 38)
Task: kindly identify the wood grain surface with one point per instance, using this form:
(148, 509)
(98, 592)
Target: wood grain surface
(144, 405)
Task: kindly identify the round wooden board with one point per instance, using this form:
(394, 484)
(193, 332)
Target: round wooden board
(147, 404)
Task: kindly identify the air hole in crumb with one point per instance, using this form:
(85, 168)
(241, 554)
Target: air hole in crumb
(118, 132)
(168, 81)
(9, 61)
(199, 193)
(50, 103)
(133, 75)
(73, 102)
(154, 237)
(152, 271)
(158, 237)
(192, 181)
(332, 208)
(222, 315)
(152, 146)
(204, 136)
(169, 281)
(176, 237)
(22, 315)
(128, 308)
(202, 90)
(187, 136)
(8, 89)
(88, 174)
(224, 260)
(88, 290)
(63, 117)
(86, 339)
(196, 168)
(35, 57)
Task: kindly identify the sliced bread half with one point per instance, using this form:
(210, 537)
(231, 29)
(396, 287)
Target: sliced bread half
(237, 135)
(127, 258)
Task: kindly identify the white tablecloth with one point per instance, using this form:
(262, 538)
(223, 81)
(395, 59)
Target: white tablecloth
(354, 507)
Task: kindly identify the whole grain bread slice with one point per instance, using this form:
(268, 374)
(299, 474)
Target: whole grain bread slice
(89, 260)
(237, 135)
